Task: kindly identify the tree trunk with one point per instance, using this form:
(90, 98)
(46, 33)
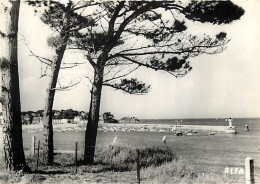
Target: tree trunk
(93, 117)
(10, 97)
(47, 115)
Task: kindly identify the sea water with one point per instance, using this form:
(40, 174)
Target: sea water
(216, 153)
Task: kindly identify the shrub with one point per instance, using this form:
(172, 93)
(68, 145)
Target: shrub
(176, 171)
(124, 158)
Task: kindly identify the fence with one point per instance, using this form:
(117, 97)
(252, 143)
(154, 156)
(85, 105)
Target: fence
(248, 170)
(33, 151)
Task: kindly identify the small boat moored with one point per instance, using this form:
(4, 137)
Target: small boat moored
(212, 133)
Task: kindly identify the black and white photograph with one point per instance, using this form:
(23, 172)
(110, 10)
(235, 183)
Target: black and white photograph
(145, 92)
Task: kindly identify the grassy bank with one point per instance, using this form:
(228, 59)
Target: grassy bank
(114, 164)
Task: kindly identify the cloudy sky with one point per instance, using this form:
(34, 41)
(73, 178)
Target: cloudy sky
(222, 85)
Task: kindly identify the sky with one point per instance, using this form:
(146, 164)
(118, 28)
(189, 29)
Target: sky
(219, 86)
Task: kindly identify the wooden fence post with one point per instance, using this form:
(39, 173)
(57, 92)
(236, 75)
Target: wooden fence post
(38, 154)
(33, 145)
(138, 166)
(249, 170)
(76, 156)
(43, 154)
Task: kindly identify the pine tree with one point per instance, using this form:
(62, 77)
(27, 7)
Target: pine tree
(10, 91)
(64, 20)
(152, 34)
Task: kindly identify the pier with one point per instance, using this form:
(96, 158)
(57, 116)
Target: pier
(166, 128)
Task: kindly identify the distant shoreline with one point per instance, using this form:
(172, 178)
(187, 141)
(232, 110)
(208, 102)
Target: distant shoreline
(136, 127)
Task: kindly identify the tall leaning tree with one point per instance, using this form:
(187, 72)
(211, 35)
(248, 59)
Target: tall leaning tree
(64, 20)
(10, 91)
(153, 34)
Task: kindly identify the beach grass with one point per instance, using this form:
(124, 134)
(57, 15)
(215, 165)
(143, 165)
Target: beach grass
(176, 171)
(115, 164)
(124, 158)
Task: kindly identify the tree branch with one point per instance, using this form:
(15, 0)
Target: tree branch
(114, 78)
(130, 90)
(113, 19)
(84, 6)
(139, 63)
(66, 88)
(91, 60)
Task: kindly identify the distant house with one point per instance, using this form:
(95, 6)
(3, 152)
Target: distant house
(63, 121)
(58, 116)
(36, 120)
(56, 121)
(77, 119)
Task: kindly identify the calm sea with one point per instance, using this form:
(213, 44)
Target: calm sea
(240, 123)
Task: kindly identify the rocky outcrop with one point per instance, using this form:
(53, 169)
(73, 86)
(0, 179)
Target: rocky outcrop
(129, 120)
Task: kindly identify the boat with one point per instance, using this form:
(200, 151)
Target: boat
(178, 133)
(189, 132)
(246, 128)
